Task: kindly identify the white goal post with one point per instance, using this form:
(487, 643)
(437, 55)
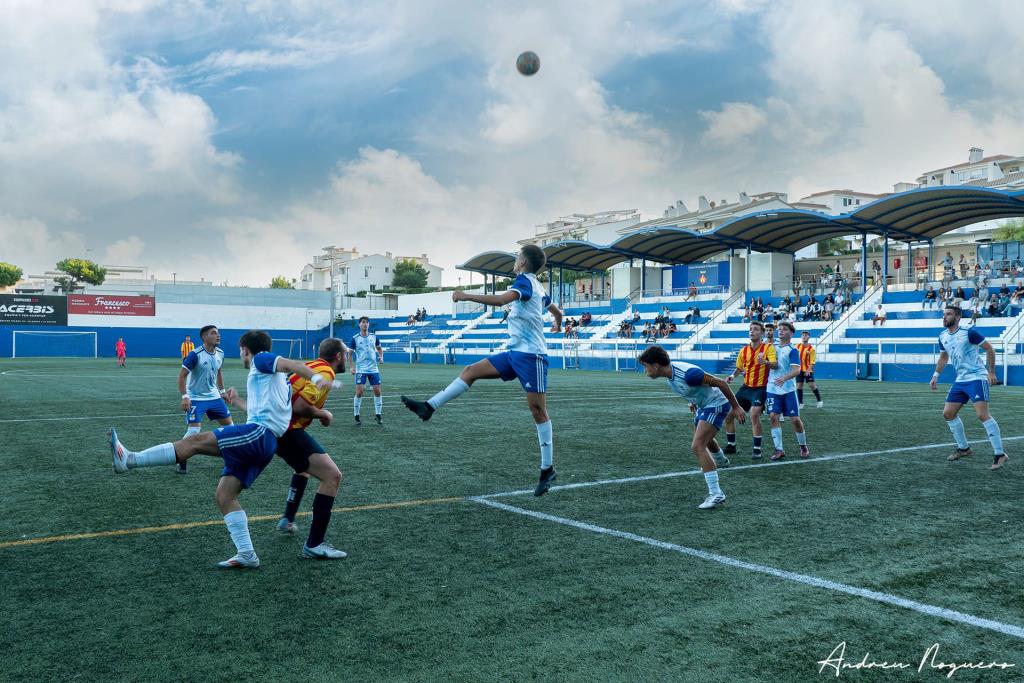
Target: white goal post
(55, 344)
(289, 348)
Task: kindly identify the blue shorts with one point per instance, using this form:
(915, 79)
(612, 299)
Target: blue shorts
(372, 377)
(785, 404)
(246, 450)
(962, 392)
(215, 409)
(714, 416)
(531, 369)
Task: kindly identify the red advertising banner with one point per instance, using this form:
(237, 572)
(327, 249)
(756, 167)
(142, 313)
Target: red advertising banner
(110, 304)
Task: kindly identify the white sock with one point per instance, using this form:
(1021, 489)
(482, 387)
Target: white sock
(452, 391)
(378, 404)
(777, 437)
(157, 455)
(994, 437)
(711, 478)
(357, 403)
(190, 430)
(801, 438)
(956, 425)
(547, 448)
(238, 527)
(719, 455)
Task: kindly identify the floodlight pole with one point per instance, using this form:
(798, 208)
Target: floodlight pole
(643, 277)
(885, 262)
(864, 263)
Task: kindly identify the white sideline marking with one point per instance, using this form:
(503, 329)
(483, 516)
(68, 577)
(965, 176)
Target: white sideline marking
(690, 473)
(886, 598)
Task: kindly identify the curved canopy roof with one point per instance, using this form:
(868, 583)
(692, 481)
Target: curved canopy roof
(921, 214)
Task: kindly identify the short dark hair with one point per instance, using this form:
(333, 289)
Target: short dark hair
(956, 309)
(206, 328)
(788, 325)
(758, 323)
(364, 317)
(535, 257)
(329, 348)
(655, 355)
(255, 341)
(807, 332)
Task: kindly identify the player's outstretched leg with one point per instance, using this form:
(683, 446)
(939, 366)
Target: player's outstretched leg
(460, 385)
(378, 406)
(956, 427)
(995, 437)
(718, 454)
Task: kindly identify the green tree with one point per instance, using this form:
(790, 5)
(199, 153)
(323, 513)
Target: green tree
(1010, 231)
(409, 275)
(79, 270)
(832, 247)
(281, 282)
(9, 274)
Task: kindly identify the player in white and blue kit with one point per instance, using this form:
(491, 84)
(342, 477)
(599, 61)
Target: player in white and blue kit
(364, 357)
(526, 358)
(962, 347)
(713, 401)
(202, 385)
(246, 449)
(782, 399)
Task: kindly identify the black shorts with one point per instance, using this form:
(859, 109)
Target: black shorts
(804, 377)
(749, 397)
(295, 447)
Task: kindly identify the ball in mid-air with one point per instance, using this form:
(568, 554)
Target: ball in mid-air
(528, 63)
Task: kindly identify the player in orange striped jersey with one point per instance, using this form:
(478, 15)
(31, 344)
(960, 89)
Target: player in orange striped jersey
(807, 360)
(307, 457)
(752, 363)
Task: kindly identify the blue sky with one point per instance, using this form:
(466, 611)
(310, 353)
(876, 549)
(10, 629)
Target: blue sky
(231, 140)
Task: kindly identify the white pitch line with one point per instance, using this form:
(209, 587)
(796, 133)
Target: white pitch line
(691, 473)
(805, 579)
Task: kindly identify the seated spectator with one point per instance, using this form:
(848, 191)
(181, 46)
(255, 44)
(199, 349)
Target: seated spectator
(586, 319)
(993, 305)
(1004, 290)
(1004, 304)
(769, 313)
(959, 295)
(1018, 293)
(879, 315)
(975, 306)
(671, 327)
(636, 317)
(650, 334)
(930, 298)
(411, 320)
(829, 308)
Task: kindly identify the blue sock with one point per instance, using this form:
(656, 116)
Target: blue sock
(994, 437)
(956, 425)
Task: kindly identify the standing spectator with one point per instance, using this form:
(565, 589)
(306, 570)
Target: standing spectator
(876, 271)
(975, 306)
(879, 315)
(122, 352)
(691, 293)
(963, 266)
(187, 347)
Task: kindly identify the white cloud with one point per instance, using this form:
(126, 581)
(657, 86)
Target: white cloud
(735, 121)
(34, 246)
(126, 252)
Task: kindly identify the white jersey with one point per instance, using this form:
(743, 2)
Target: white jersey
(688, 381)
(203, 366)
(962, 348)
(364, 353)
(787, 357)
(526, 319)
(268, 394)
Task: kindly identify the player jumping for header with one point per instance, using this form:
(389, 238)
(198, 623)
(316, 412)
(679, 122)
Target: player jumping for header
(962, 347)
(525, 360)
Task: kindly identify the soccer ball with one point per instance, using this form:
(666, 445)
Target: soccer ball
(528, 63)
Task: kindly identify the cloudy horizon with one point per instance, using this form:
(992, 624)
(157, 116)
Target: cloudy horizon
(230, 141)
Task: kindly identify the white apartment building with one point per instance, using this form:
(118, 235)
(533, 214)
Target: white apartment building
(355, 272)
(602, 227)
(1001, 171)
(711, 214)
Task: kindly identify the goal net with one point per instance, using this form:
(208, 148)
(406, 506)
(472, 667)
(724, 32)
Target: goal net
(35, 344)
(289, 348)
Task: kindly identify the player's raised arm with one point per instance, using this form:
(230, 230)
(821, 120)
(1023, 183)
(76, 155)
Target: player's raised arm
(294, 367)
(502, 299)
(940, 365)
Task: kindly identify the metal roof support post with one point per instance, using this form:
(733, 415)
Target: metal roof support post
(643, 277)
(746, 270)
(931, 260)
(864, 263)
(560, 276)
(910, 262)
(885, 262)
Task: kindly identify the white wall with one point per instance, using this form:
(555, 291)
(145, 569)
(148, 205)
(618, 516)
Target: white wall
(770, 271)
